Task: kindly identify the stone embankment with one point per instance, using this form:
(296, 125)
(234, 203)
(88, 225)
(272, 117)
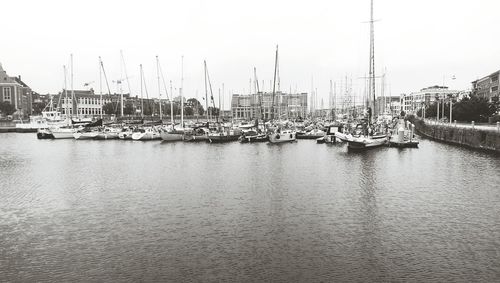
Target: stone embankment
(472, 137)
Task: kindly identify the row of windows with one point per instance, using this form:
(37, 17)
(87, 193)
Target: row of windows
(84, 111)
(6, 94)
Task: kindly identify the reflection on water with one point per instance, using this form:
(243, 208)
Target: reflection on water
(151, 211)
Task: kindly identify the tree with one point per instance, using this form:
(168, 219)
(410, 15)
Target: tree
(196, 106)
(109, 108)
(6, 108)
(129, 109)
(188, 111)
(38, 107)
(214, 112)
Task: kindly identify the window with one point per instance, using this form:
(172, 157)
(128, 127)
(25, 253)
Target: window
(6, 94)
(495, 88)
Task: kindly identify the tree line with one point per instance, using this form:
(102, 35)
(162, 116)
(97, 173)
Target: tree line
(468, 109)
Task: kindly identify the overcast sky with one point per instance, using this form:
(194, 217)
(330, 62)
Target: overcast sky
(418, 43)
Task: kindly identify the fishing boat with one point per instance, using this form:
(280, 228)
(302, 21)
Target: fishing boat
(47, 119)
(282, 136)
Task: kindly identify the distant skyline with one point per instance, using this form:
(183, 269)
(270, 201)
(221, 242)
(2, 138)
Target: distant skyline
(418, 43)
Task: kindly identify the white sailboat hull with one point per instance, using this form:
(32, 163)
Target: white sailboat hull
(282, 137)
(63, 133)
(85, 136)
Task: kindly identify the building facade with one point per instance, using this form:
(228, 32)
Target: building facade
(487, 87)
(411, 103)
(14, 91)
(259, 105)
(388, 104)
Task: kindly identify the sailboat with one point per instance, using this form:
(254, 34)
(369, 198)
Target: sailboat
(67, 131)
(223, 133)
(282, 134)
(369, 138)
(173, 134)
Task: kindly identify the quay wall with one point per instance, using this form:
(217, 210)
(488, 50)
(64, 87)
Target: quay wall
(468, 137)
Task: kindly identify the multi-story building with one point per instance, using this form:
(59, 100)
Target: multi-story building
(388, 104)
(16, 92)
(487, 87)
(414, 101)
(285, 105)
(81, 102)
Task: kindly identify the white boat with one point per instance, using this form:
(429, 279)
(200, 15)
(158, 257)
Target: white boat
(146, 134)
(125, 134)
(62, 133)
(86, 135)
(282, 136)
(107, 133)
(47, 119)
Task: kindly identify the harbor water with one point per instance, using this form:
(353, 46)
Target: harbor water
(128, 211)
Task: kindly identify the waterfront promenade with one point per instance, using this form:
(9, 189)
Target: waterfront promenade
(484, 137)
(480, 126)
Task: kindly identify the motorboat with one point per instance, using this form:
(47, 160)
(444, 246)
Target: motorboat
(282, 136)
(146, 134)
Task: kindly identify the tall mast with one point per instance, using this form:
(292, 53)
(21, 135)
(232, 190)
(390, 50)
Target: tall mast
(100, 84)
(371, 89)
(222, 107)
(181, 90)
(331, 98)
(72, 90)
(142, 100)
(66, 94)
(171, 106)
(126, 75)
(158, 75)
(258, 92)
(206, 91)
(274, 83)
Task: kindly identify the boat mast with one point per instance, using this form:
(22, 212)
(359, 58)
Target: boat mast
(66, 102)
(211, 92)
(181, 91)
(72, 90)
(158, 75)
(171, 106)
(258, 92)
(274, 83)
(126, 75)
(142, 100)
(371, 89)
(206, 90)
(100, 84)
